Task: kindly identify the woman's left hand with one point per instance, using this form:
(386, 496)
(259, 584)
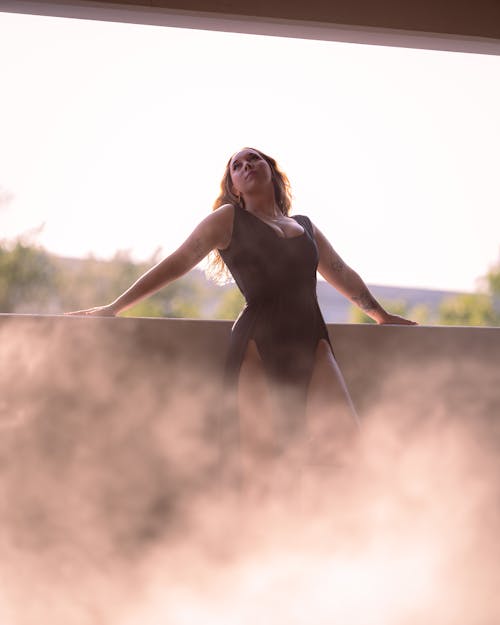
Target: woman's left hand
(396, 319)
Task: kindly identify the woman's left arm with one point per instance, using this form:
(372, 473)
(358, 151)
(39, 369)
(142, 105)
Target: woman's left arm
(350, 284)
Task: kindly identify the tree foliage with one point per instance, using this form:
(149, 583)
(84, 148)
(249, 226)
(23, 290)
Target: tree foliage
(492, 280)
(34, 281)
(477, 309)
(468, 309)
(231, 304)
(28, 277)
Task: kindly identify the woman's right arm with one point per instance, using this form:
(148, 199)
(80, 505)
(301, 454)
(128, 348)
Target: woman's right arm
(214, 231)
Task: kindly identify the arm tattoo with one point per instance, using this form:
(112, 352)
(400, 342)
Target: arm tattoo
(198, 249)
(365, 300)
(337, 265)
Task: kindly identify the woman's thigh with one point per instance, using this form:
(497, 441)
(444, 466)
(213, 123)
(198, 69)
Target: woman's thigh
(269, 456)
(257, 437)
(332, 422)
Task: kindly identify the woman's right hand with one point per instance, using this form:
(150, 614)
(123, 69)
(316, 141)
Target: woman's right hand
(97, 311)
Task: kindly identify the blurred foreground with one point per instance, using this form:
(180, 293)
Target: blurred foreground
(114, 509)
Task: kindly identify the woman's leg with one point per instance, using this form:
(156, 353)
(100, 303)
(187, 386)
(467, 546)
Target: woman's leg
(257, 435)
(332, 422)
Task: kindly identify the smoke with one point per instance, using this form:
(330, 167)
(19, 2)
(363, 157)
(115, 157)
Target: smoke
(115, 510)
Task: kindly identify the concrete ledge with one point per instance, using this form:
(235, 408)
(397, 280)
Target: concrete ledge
(414, 369)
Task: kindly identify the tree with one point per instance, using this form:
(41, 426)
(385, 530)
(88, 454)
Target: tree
(34, 281)
(231, 304)
(90, 282)
(468, 309)
(491, 281)
(477, 309)
(27, 277)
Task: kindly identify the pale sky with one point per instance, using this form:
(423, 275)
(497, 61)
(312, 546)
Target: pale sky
(115, 136)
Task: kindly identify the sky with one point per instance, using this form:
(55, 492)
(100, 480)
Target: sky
(115, 137)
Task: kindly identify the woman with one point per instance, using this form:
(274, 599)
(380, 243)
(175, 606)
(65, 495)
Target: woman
(288, 385)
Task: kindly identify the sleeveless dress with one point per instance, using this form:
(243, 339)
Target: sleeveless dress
(277, 277)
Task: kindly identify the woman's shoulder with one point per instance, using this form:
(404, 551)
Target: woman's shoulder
(223, 217)
(223, 214)
(224, 209)
(304, 221)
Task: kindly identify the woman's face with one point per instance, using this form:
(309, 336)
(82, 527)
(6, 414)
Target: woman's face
(249, 171)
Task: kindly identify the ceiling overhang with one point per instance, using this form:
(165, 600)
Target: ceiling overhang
(433, 24)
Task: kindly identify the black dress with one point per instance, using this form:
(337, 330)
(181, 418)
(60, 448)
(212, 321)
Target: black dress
(277, 277)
